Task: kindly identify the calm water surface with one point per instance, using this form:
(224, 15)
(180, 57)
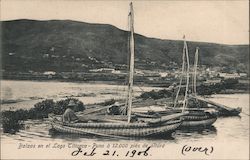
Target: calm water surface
(25, 94)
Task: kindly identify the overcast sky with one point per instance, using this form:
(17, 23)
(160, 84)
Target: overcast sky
(208, 21)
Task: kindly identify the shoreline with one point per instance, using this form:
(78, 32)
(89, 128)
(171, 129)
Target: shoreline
(86, 82)
(159, 84)
(27, 104)
(17, 103)
(235, 91)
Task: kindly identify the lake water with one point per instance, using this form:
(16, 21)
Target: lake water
(228, 136)
(26, 93)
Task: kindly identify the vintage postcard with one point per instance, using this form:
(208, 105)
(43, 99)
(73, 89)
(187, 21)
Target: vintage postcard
(137, 79)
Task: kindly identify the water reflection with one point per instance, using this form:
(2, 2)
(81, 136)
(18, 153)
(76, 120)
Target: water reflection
(196, 134)
(77, 137)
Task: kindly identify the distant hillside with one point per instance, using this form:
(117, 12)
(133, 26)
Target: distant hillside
(64, 45)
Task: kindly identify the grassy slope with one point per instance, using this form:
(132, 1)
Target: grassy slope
(30, 40)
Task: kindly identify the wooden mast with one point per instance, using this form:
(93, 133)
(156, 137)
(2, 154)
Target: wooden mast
(195, 70)
(131, 67)
(185, 102)
(182, 73)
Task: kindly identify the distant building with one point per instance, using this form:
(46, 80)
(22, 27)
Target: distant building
(49, 73)
(84, 65)
(54, 56)
(228, 75)
(104, 70)
(212, 81)
(163, 74)
(52, 49)
(45, 55)
(139, 72)
(12, 54)
(116, 71)
(243, 75)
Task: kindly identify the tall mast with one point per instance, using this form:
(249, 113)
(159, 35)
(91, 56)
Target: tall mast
(182, 73)
(195, 69)
(132, 52)
(185, 102)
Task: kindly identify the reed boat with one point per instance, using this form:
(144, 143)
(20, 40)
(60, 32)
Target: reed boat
(196, 117)
(199, 119)
(229, 112)
(223, 111)
(110, 127)
(162, 126)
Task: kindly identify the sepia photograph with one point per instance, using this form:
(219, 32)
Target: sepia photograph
(124, 79)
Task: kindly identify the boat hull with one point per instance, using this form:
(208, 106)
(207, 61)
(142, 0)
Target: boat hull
(195, 118)
(116, 130)
(200, 123)
(198, 119)
(228, 113)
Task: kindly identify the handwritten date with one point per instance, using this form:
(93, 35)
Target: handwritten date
(128, 153)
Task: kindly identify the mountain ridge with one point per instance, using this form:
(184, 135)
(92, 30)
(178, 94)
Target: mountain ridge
(30, 41)
(75, 21)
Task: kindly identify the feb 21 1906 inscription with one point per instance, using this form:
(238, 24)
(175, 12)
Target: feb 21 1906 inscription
(115, 149)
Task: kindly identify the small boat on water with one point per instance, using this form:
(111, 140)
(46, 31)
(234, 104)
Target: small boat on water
(161, 126)
(193, 117)
(196, 117)
(223, 111)
(109, 126)
(229, 112)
